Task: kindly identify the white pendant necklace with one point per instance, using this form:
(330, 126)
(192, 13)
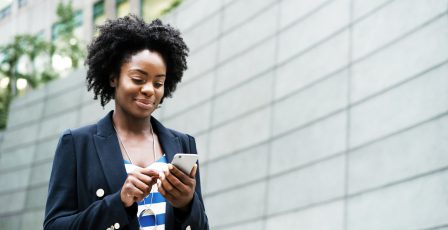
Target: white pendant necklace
(147, 211)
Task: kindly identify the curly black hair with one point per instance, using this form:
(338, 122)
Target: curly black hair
(119, 39)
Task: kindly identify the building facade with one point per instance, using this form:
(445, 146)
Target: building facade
(309, 114)
(39, 17)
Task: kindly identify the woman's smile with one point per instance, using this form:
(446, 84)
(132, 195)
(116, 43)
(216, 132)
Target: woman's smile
(140, 85)
(145, 104)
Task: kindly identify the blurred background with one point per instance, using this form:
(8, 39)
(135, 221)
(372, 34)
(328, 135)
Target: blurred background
(308, 114)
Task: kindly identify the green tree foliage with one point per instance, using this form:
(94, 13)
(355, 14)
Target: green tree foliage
(172, 6)
(67, 44)
(26, 48)
(37, 54)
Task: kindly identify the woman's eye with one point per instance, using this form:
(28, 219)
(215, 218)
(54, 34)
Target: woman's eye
(138, 80)
(158, 84)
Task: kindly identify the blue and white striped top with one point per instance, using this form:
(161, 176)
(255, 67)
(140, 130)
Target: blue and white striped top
(158, 203)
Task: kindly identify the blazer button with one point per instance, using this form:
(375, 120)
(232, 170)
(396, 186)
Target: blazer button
(112, 227)
(188, 227)
(107, 228)
(100, 192)
(117, 225)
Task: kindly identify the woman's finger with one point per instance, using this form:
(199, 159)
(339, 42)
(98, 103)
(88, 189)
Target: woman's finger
(144, 187)
(193, 171)
(164, 193)
(176, 183)
(169, 188)
(150, 172)
(185, 179)
(145, 178)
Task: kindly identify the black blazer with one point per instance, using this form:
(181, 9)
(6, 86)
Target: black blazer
(88, 173)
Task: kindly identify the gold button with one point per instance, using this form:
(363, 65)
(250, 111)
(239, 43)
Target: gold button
(117, 225)
(100, 192)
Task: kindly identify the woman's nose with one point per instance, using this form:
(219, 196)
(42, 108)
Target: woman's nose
(148, 89)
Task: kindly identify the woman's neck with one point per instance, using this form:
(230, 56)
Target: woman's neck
(130, 125)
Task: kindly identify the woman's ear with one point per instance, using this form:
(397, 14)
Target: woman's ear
(113, 82)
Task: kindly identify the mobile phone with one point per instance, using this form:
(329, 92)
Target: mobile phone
(185, 161)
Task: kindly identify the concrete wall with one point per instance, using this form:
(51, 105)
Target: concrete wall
(38, 17)
(35, 124)
(309, 114)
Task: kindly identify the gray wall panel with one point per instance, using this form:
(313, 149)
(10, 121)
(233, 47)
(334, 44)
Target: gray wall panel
(312, 185)
(308, 114)
(311, 218)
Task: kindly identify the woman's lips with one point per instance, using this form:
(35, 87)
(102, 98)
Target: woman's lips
(144, 103)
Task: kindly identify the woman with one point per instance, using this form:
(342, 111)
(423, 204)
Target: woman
(113, 175)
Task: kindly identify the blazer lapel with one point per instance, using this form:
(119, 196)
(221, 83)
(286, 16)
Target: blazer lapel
(109, 153)
(170, 143)
(170, 146)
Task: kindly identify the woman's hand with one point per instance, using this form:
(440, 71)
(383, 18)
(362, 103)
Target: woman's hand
(138, 185)
(177, 187)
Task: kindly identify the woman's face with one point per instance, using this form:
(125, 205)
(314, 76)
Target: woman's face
(140, 86)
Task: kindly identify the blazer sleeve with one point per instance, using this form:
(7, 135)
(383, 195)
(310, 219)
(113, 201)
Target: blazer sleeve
(196, 218)
(62, 212)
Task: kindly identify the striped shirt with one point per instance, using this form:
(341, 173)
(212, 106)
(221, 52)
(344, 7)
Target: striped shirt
(155, 201)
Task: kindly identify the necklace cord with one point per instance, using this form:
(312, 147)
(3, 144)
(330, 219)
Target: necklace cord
(130, 160)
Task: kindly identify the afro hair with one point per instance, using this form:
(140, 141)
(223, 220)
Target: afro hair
(119, 39)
